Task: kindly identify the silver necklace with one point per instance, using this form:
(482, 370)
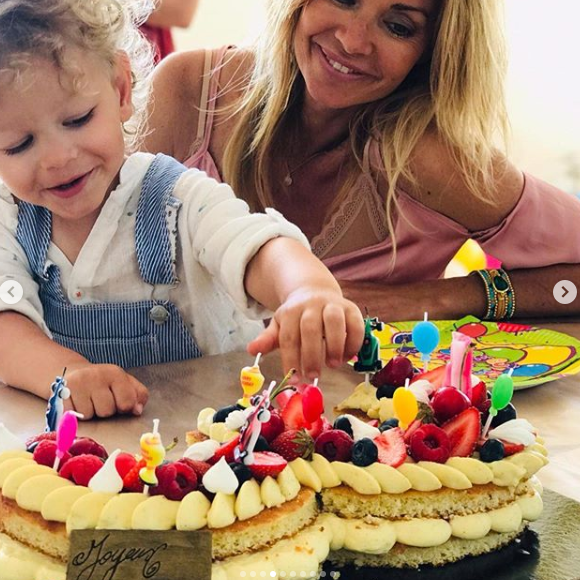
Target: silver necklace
(288, 179)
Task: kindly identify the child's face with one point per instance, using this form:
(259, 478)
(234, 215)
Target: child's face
(59, 148)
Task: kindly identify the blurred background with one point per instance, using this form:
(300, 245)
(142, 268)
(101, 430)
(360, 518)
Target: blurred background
(543, 83)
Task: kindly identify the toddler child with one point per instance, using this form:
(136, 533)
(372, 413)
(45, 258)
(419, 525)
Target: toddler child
(130, 259)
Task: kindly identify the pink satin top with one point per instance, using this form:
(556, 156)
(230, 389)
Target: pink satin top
(542, 229)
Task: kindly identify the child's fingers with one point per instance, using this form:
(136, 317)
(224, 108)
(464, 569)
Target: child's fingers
(266, 341)
(81, 402)
(289, 340)
(334, 321)
(311, 343)
(142, 395)
(104, 402)
(124, 394)
(355, 331)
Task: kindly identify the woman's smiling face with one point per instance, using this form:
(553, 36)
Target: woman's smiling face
(352, 52)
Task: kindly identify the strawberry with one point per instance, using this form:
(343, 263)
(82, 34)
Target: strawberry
(88, 446)
(267, 463)
(430, 443)
(200, 467)
(272, 428)
(434, 376)
(463, 431)
(32, 441)
(80, 469)
(45, 453)
(391, 447)
(312, 403)
(511, 448)
(411, 429)
(293, 417)
(226, 450)
(176, 480)
(292, 444)
(479, 395)
(373, 422)
(124, 463)
(131, 481)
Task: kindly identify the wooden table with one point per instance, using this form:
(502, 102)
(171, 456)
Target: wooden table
(179, 390)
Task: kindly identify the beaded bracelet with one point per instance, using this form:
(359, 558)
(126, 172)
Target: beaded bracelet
(501, 298)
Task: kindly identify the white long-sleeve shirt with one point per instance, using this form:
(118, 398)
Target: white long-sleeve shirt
(217, 238)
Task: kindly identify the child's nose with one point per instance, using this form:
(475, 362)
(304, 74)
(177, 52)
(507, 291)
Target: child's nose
(58, 153)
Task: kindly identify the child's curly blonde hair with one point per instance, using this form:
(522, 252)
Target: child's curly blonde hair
(48, 28)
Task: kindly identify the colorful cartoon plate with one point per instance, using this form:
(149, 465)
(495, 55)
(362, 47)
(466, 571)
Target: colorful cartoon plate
(537, 355)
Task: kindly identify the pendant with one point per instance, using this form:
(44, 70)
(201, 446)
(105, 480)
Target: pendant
(287, 180)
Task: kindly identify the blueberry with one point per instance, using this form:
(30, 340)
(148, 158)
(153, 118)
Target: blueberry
(505, 415)
(241, 471)
(491, 450)
(342, 423)
(221, 415)
(364, 452)
(386, 391)
(262, 444)
(388, 424)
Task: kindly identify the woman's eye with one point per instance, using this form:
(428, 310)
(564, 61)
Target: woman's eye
(80, 121)
(345, 2)
(19, 148)
(400, 30)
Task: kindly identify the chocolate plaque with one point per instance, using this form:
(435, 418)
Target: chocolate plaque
(138, 554)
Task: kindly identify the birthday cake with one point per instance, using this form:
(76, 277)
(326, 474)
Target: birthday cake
(283, 489)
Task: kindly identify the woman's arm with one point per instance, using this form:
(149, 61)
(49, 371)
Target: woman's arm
(457, 297)
(169, 13)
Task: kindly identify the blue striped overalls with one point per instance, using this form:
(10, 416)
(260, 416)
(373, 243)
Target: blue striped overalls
(127, 334)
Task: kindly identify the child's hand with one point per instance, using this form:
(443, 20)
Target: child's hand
(310, 327)
(104, 390)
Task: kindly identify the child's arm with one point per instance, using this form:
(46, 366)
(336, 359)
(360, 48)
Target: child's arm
(30, 360)
(313, 322)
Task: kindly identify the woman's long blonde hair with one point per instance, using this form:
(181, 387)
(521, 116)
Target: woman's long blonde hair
(48, 28)
(460, 91)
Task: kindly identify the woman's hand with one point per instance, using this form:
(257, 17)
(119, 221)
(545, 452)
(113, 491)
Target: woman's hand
(103, 390)
(312, 326)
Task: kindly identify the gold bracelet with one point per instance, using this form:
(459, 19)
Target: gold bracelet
(501, 298)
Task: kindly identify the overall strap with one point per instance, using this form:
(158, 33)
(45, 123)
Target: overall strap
(156, 222)
(33, 234)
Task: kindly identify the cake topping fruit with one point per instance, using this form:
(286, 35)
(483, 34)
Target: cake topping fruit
(221, 415)
(389, 424)
(45, 453)
(506, 414)
(463, 431)
(435, 376)
(292, 444)
(293, 417)
(334, 445)
(391, 447)
(226, 450)
(88, 446)
(124, 463)
(200, 467)
(386, 391)
(176, 480)
(448, 402)
(479, 396)
(430, 443)
(131, 481)
(267, 463)
(81, 469)
(272, 428)
(364, 452)
(491, 450)
(32, 442)
(394, 373)
(241, 471)
(343, 424)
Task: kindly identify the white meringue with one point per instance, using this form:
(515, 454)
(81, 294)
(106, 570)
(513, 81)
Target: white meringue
(220, 477)
(202, 450)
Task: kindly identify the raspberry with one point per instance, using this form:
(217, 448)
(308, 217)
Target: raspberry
(80, 469)
(335, 445)
(131, 481)
(45, 453)
(200, 467)
(176, 480)
(124, 463)
(430, 443)
(88, 446)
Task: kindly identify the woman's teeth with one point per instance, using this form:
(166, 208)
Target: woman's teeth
(339, 67)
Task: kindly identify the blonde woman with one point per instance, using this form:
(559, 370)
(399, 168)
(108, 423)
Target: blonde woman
(372, 125)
